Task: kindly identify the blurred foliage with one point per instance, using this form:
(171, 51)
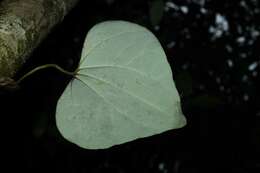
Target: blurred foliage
(156, 11)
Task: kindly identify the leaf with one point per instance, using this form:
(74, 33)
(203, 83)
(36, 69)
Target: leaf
(123, 89)
(156, 11)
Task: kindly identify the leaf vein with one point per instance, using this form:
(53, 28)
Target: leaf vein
(129, 93)
(107, 102)
(102, 41)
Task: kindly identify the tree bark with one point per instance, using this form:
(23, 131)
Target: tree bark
(23, 25)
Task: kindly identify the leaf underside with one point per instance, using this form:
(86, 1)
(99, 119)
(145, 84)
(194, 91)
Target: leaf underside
(123, 90)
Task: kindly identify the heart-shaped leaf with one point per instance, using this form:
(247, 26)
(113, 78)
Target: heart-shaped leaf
(123, 89)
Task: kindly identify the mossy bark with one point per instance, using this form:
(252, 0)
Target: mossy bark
(23, 25)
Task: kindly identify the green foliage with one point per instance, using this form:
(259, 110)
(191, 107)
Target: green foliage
(123, 89)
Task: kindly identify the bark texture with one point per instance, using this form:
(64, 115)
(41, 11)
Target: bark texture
(23, 25)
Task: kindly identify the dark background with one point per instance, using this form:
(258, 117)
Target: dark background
(212, 46)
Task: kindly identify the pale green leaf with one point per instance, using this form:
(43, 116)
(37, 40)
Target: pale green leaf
(123, 90)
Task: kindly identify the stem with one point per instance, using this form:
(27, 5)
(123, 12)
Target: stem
(46, 66)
